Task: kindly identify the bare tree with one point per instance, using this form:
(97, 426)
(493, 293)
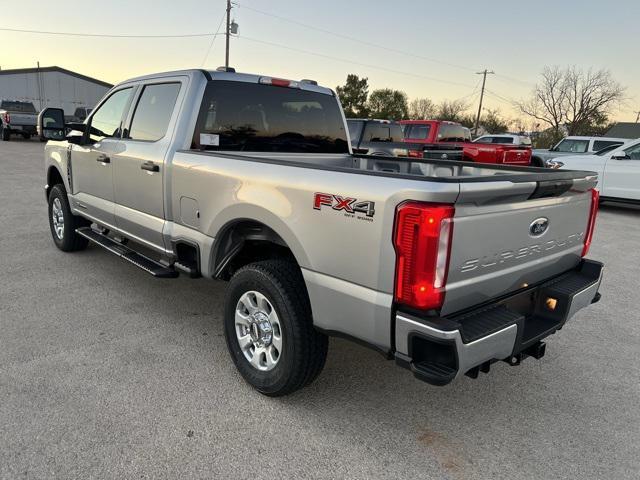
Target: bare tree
(422, 109)
(572, 97)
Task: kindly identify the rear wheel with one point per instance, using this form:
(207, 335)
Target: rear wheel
(5, 133)
(63, 223)
(269, 330)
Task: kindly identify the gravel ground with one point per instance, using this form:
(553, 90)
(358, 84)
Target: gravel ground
(106, 372)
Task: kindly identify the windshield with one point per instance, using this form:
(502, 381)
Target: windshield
(241, 116)
(608, 149)
(572, 146)
(22, 107)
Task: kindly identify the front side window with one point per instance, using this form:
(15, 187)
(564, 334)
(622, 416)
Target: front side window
(107, 120)
(153, 112)
(633, 152)
(251, 117)
(572, 146)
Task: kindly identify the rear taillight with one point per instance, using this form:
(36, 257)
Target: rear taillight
(593, 213)
(6, 118)
(422, 241)
(415, 153)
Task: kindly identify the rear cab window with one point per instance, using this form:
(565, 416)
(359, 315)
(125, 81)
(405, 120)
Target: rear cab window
(22, 107)
(383, 132)
(451, 133)
(253, 117)
(416, 132)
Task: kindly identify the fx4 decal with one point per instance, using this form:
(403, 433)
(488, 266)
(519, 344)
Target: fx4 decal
(347, 204)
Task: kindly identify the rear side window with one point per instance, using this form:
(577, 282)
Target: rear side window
(153, 112)
(417, 132)
(600, 144)
(251, 117)
(572, 146)
(451, 133)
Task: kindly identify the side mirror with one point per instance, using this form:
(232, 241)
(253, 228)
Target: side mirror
(51, 124)
(620, 155)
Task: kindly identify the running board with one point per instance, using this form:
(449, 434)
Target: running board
(150, 266)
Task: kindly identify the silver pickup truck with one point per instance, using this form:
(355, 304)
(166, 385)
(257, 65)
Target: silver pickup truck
(446, 267)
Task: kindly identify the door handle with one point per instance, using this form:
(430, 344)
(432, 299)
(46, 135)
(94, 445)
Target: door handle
(103, 159)
(150, 167)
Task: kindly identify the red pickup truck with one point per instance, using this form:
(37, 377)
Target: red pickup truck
(438, 131)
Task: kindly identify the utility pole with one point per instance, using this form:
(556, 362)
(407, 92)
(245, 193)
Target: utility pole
(226, 57)
(637, 117)
(484, 80)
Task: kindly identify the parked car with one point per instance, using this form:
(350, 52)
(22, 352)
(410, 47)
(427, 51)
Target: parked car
(618, 168)
(17, 118)
(505, 138)
(385, 138)
(437, 131)
(574, 145)
(251, 179)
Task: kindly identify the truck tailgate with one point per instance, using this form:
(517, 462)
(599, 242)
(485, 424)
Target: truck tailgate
(23, 119)
(497, 247)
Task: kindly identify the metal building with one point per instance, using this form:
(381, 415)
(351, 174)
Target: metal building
(52, 87)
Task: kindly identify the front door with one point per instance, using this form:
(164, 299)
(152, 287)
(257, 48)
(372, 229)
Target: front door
(622, 176)
(92, 163)
(139, 167)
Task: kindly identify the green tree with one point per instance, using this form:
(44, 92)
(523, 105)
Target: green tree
(388, 104)
(492, 122)
(353, 96)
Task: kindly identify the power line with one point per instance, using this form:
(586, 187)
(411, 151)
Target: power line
(105, 35)
(352, 62)
(213, 39)
(354, 39)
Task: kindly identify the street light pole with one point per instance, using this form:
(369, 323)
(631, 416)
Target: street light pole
(226, 57)
(484, 80)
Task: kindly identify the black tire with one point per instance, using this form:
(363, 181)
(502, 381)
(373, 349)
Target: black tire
(69, 240)
(5, 133)
(304, 350)
(537, 162)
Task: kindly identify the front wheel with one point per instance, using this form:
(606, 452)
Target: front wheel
(63, 223)
(269, 330)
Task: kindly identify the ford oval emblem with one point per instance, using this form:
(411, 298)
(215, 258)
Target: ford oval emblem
(538, 227)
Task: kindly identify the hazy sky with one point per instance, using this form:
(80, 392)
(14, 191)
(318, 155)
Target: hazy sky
(455, 39)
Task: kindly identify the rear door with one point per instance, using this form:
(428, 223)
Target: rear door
(92, 163)
(139, 167)
(622, 176)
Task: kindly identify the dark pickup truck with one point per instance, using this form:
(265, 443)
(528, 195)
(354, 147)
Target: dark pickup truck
(385, 138)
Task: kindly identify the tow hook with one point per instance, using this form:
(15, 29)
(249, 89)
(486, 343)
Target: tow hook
(536, 351)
